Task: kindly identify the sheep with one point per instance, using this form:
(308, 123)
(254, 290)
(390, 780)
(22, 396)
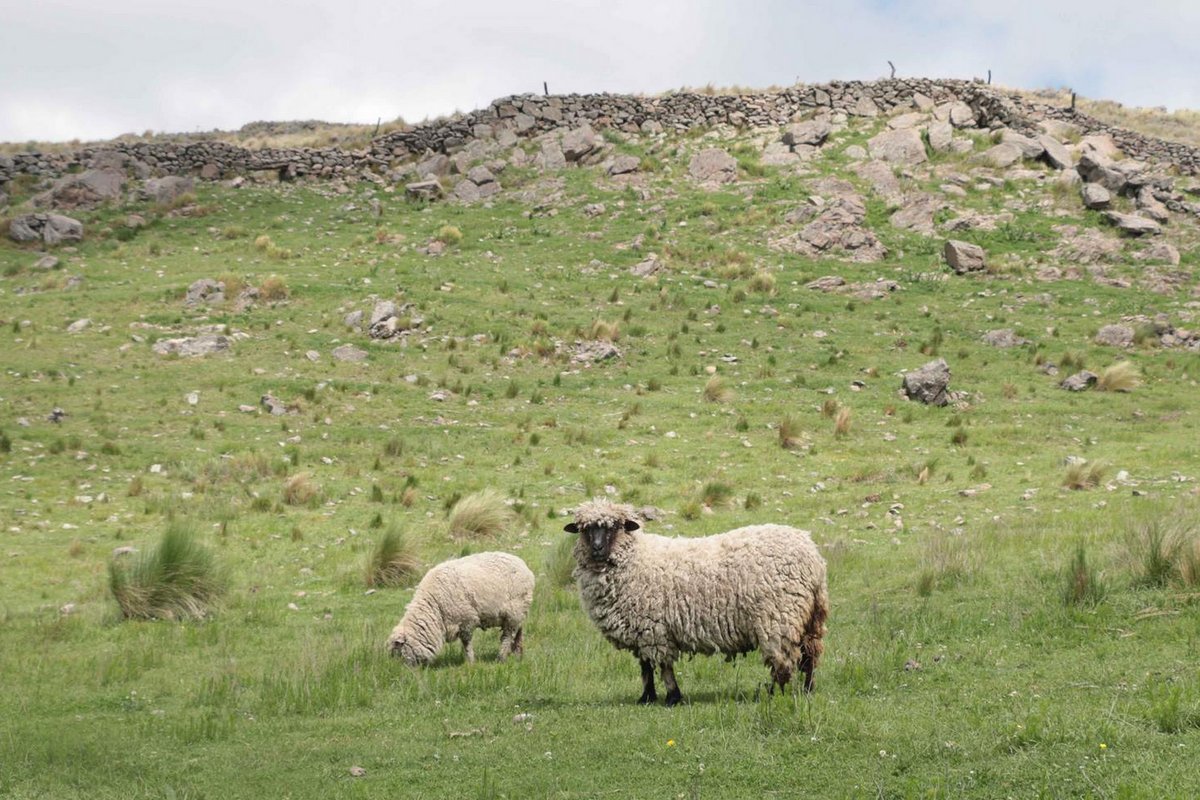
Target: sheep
(485, 590)
(760, 587)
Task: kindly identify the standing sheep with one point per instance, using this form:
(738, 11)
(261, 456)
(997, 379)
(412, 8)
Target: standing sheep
(759, 587)
(485, 590)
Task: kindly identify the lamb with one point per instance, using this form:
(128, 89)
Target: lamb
(760, 587)
(485, 590)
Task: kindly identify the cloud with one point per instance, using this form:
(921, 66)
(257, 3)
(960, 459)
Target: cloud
(80, 69)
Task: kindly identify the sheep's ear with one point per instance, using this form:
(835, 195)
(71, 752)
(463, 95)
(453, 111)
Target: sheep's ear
(631, 526)
(571, 527)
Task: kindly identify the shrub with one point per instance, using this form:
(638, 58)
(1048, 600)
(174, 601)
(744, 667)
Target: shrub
(1120, 377)
(299, 490)
(449, 235)
(1082, 475)
(763, 282)
(1163, 551)
(178, 579)
(480, 515)
(1082, 585)
(716, 493)
(715, 390)
(273, 288)
(393, 562)
(841, 424)
(604, 331)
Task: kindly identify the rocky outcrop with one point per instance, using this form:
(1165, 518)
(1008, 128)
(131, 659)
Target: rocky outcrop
(52, 229)
(964, 257)
(929, 384)
(713, 167)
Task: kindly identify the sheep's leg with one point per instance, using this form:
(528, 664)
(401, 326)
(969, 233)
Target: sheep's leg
(781, 674)
(668, 676)
(518, 642)
(468, 650)
(506, 639)
(807, 666)
(648, 693)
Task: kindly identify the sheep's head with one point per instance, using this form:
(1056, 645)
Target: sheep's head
(599, 523)
(414, 652)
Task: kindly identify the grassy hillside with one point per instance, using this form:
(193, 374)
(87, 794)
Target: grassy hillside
(970, 652)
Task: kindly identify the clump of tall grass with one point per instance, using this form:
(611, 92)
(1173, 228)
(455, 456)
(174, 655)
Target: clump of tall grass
(300, 490)
(1084, 475)
(482, 515)
(1082, 584)
(1120, 377)
(715, 494)
(946, 560)
(393, 562)
(273, 288)
(449, 235)
(841, 422)
(1164, 551)
(560, 561)
(763, 282)
(715, 390)
(604, 331)
(789, 433)
(178, 579)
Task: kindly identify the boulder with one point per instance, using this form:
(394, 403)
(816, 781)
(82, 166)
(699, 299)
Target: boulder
(1002, 155)
(1095, 167)
(1095, 196)
(912, 119)
(928, 384)
(79, 325)
(467, 191)
(1131, 224)
(623, 165)
(1055, 152)
(349, 352)
(480, 175)
(882, 179)
(898, 147)
(424, 190)
(165, 191)
(865, 107)
(59, 229)
(192, 346)
(1004, 338)
(961, 115)
(964, 257)
(941, 136)
(551, 155)
(25, 228)
(648, 267)
(918, 214)
(1115, 336)
(579, 142)
(813, 132)
(86, 190)
(1160, 251)
(1080, 381)
(1030, 148)
(437, 165)
(713, 166)
(205, 290)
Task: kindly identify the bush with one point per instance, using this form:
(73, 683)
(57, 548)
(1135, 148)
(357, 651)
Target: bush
(449, 235)
(393, 562)
(1082, 475)
(273, 288)
(604, 331)
(789, 433)
(480, 515)
(715, 390)
(178, 579)
(299, 490)
(1120, 377)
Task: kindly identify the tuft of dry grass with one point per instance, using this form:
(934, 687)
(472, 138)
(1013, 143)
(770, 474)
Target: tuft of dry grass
(829, 408)
(1083, 585)
(715, 390)
(178, 579)
(273, 288)
(763, 282)
(1084, 475)
(841, 423)
(393, 562)
(482, 515)
(790, 433)
(1120, 377)
(604, 331)
(449, 235)
(300, 490)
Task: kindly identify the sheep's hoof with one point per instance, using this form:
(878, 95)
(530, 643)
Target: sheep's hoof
(674, 697)
(647, 698)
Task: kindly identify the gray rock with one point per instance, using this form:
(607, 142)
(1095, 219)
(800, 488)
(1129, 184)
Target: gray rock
(349, 352)
(1095, 196)
(713, 166)
(25, 228)
(593, 352)
(1151, 206)
(86, 190)
(865, 107)
(912, 119)
(826, 283)
(813, 132)
(898, 147)
(623, 165)
(353, 319)
(1002, 155)
(961, 115)
(1115, 336)
(59, 229)
(437, 165)
(1030, 148)
(941, 136)
(964, 257)
(192, 346)
(1095, 167)
(383, 311)
(1004, 338)
(882, 179)
(1161, 251)
(918, 214)
(79, 325)
(205, 290)
(480, 175)
(1131, 224)
(467, 191)
(165, 191)
(51, 262)
(650, 266)
(1055, 152)
(424, 190)
(855, 152)
(551, 156)
(928, 384)
(1080, 381)
(578, 143)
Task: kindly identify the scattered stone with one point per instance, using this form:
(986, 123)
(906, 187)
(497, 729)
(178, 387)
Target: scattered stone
(51, 262)
(650, 266)
(964, 257)
(349, 352)
(898, 147)
(827, 283)
(53, 229)
(1002, 155)
(1115, 336)
(713, 167)
(593, 352)
(79, 325)
(578, 143)
(1131, 224)
(275, 406)
(929, 383)
(1080, 381)
(1004, 338)
(206, 291)
(882, 178)
(192, 346)
(1160, 251)
(624, 164)
(1095, 196)
(918, 214)
(593, 209)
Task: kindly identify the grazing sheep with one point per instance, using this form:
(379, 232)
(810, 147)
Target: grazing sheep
(759, 587)
(485, 590)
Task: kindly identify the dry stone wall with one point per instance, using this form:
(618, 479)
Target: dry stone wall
(530, 115)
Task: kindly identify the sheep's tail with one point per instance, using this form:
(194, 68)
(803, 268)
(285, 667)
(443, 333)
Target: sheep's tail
(811, 645)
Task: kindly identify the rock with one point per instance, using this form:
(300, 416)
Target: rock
(1100, 144)
(941, 136)
(882, 179)
(79, 325)
(59, 229)
(1002, 155)
(964, 257)
(813, 132)
(578, 143)
(918, 214)
(480, 175)
(210, 172)
(192, 346)
(349, 352)
(25, 228)
(551, 156)
(1055, 152)
(1115, 336)
(437, 165)
(898, 147)
(1004, 338)
(86, 190)
(1080, 381)
(855, 152)
(929, 383)
(713, 166)
(135, 222)
(467, 191)
(837, 230)
(1030, 148)
(205, 290)
(383, 311)
(961, 115)
(353, 319)
(1095, 196)
(1160, 251)
(623, 165)
(1150, 206)
(51, 262)
(912, 119)
(1094, 167)
(1132, 224)
(424, 190)
(593, 352)
(650, 266)
(165, 191)
(593, 209)
(865, 107)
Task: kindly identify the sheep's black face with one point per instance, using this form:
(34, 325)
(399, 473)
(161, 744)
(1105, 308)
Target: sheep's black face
(598, 539)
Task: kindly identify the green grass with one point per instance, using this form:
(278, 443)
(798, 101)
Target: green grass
(950, 535)
(177, 580)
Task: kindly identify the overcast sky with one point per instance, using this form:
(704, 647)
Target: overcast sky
(97, 68)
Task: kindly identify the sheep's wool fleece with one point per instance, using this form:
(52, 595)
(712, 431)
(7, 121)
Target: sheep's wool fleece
(750, 588)
(485, 590)
(602, 512)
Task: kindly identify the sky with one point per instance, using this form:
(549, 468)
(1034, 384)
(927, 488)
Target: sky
(94, 69)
